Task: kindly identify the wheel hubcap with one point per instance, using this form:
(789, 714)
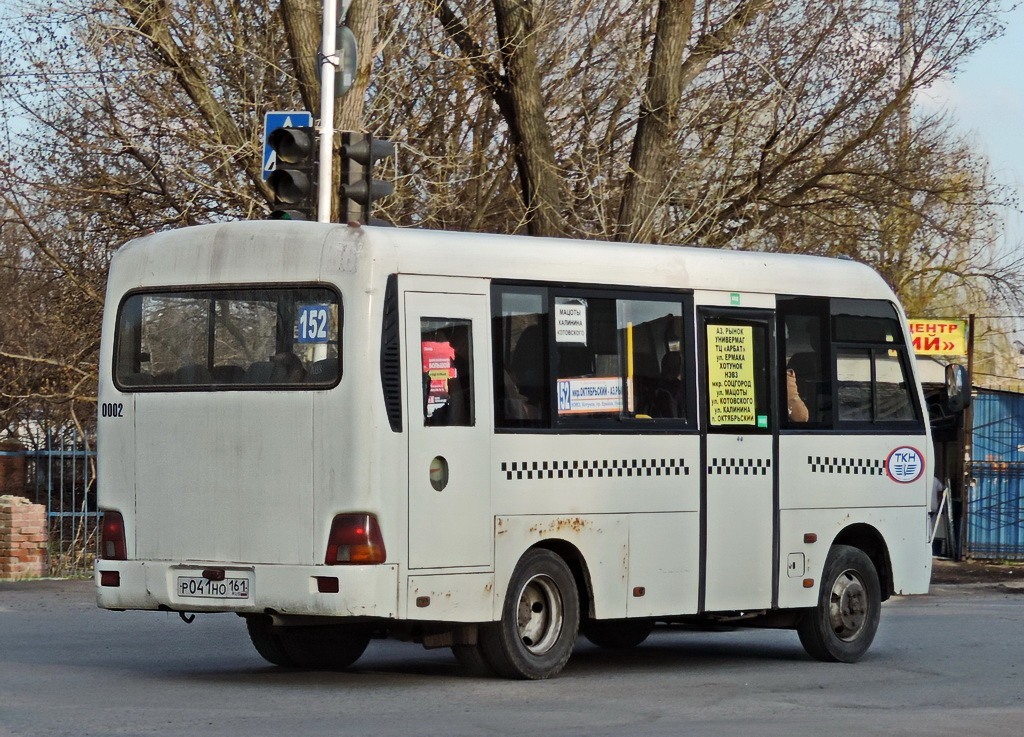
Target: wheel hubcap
(540, 614)
(848, 606)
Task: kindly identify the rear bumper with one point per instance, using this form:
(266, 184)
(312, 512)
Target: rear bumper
(363, 591)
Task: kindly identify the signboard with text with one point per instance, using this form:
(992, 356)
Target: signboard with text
(731, 375)
(939, 337)
(571, 321)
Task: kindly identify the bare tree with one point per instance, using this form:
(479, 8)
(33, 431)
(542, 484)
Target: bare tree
(736, 123)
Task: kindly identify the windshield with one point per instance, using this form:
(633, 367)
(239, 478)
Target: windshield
(229, 339)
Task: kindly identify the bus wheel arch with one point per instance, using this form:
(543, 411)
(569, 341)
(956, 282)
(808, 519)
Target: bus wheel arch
(573, 558)
(869, 540)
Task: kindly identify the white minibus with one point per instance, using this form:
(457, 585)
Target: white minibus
(497, 443)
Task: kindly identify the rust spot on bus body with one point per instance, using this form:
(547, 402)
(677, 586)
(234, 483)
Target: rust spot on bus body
(561, 525)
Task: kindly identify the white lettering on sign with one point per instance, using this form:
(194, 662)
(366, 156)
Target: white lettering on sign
(905, 465)
(571, 321)
(600, 394)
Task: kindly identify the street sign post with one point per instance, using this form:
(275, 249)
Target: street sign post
(280, 119)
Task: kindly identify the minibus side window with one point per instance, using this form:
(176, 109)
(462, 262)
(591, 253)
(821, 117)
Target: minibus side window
(806, 382)
(619, 359)
(521, 357)
(873, 381)
(853, 373)
(446, 348)
(590, 359)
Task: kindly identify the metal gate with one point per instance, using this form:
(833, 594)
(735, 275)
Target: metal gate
(61, 474)
(995, 512)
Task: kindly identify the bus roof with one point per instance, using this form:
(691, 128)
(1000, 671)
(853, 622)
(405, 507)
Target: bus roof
(248, 251)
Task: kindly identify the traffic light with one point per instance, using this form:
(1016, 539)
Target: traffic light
(359, 152)
(294, 178)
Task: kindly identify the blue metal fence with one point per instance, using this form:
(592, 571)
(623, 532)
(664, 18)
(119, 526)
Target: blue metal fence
(61, 474)
(995, 511)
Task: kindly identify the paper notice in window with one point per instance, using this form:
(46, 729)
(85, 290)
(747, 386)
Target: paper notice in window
(581, 396)
(731, 375)
(571, 321)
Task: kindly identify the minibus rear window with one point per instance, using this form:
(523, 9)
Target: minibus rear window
(215, 339)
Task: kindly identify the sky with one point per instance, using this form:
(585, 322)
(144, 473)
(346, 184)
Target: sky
(987, 100)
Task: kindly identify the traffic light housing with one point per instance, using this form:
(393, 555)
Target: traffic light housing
(359, 153)
(294, 179)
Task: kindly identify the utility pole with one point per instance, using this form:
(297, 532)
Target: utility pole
(329, 61)
(965, 492)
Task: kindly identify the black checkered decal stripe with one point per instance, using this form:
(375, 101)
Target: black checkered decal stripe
(626, 468)
(740, 466)
(851, 466)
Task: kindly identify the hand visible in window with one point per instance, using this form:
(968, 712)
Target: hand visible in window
(795, 405)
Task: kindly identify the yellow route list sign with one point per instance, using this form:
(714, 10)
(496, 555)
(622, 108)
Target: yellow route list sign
(731, 374)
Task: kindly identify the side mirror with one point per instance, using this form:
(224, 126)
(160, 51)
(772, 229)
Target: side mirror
(958, 388)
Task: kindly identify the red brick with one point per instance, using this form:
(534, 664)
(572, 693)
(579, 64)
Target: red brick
(23, 538)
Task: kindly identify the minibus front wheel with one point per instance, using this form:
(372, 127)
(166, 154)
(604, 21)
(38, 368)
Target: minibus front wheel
(843, 624)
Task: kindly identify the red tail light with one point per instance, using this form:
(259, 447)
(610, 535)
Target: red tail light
(112, 538)
(355, 540)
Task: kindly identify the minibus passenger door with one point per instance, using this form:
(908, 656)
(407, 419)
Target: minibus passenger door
(739, 507)
(447, 363)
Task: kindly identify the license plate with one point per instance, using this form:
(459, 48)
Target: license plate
(229, 588)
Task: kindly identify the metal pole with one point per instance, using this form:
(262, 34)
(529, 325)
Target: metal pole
(965, 492)
(328, 66)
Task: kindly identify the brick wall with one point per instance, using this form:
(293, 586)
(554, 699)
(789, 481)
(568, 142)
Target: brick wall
(12, 468)
(23, 538)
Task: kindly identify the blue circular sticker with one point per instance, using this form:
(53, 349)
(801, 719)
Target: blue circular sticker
(905, 464)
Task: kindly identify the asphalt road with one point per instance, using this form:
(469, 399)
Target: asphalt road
(950, 663)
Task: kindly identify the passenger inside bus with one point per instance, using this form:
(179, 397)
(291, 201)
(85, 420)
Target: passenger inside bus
(669, 397)
(526, 371)
(517, 405)
(287, 368)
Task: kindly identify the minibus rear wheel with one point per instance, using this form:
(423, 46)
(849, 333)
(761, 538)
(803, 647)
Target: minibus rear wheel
(841, 627)
(540, 619)
(326, 647)
(265, 638)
